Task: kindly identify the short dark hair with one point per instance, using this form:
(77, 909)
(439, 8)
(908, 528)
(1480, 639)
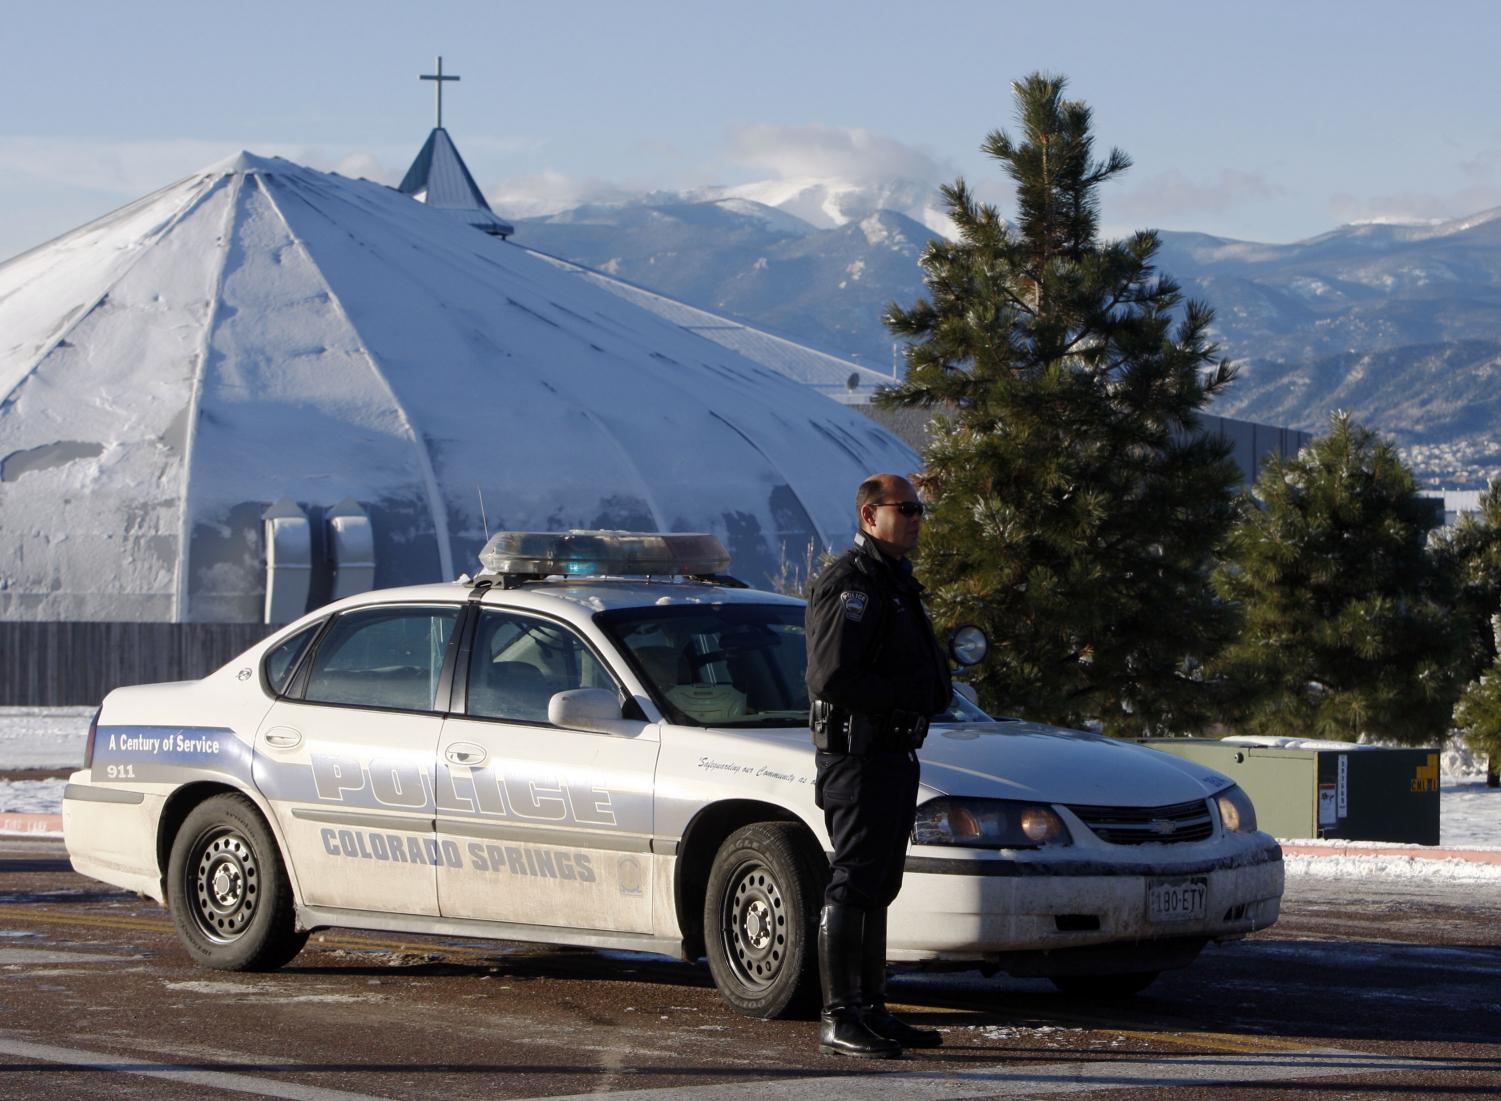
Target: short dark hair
(869, 490)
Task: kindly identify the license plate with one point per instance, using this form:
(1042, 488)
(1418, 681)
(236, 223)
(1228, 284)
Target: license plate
(1177, 899)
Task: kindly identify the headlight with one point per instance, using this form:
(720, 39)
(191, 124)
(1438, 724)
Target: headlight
(1236, 811)
(988, 824)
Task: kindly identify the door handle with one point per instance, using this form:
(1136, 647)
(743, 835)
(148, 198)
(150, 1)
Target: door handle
(283, 737)
(465, 753)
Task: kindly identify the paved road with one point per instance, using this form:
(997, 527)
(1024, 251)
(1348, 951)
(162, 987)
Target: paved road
(1364, 990)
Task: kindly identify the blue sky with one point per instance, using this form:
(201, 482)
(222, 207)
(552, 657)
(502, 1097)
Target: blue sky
(1272, 122)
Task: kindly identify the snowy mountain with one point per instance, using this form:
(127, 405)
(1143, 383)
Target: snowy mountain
(826, 287)
(830, 203)
(1397, 323)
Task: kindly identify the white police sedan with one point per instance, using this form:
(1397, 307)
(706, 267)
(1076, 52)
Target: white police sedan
(600, 740)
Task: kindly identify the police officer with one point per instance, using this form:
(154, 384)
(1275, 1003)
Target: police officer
(876, 673)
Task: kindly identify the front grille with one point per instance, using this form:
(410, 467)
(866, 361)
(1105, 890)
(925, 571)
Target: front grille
(1139, 825)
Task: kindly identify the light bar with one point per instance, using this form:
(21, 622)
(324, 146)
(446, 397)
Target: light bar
(604, 553)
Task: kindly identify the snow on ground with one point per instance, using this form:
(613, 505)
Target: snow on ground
(42, 737)
(1470, 813)
(1384, 865)
(31, 796)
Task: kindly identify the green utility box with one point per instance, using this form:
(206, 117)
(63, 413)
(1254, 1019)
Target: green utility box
(1353, 793)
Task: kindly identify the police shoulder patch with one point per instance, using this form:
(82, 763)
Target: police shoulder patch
(854, 605)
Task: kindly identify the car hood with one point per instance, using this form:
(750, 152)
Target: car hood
(1021, 760)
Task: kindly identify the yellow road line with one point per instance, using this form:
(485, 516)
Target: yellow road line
(1220, 1041)
(904, 1007)
(14, 913)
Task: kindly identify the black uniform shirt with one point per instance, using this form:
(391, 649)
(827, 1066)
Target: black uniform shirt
(871, 648)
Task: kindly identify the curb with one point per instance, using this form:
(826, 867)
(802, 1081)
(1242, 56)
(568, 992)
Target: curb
(1473, 856)
(47, 825)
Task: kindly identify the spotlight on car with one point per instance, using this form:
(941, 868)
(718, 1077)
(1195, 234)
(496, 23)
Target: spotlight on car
(968, 644)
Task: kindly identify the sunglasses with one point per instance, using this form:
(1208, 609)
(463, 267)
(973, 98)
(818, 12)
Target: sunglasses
(906, 508)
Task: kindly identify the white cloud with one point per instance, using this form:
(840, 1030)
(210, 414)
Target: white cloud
(1172, 194)
(549, 191)
(1483, 166)
(829, 175)
(831, 152)
(356, 164)
(870, 170)
(1416, 206)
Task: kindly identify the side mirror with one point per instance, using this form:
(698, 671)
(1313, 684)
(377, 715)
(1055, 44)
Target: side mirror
(594, 709)
(968, 645)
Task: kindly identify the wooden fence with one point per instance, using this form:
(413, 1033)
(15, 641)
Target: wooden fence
(58, 664)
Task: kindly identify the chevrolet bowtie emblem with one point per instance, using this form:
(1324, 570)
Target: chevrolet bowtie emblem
(1162, 826)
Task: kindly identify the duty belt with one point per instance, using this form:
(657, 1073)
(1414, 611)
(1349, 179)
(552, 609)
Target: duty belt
(836, 730)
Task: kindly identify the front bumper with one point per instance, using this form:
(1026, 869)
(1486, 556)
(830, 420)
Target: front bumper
(984, 908)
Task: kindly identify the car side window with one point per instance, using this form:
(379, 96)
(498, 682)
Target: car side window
(282, 660)
(519, 663)
(382, 657)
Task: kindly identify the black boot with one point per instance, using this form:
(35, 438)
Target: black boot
(841, 1031)
(873, 990)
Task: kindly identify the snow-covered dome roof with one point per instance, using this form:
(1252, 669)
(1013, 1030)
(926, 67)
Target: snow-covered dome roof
(261, 333)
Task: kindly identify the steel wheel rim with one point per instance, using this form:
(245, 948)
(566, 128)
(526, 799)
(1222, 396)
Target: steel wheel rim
(223, 884)
(753, 925)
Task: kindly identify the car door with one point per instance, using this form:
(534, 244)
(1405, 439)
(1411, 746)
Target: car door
(346, 758)
(554, 825)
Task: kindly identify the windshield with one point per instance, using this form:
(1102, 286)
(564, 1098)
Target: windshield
(718, 664)
(960, 710)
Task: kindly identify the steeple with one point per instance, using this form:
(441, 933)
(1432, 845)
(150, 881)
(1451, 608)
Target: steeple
(440, 178)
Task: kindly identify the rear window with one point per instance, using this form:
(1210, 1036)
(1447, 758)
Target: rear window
(382, 657)
(281, 662)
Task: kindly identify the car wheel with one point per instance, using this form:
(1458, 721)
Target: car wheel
(1104, 986)
(761, 919)
(228, 890)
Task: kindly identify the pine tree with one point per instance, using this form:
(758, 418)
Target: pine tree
(1470, 553)
(1346, 625)
(1478, 713)
(1076, 509)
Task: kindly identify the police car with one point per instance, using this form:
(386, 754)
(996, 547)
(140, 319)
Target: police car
(601, 740)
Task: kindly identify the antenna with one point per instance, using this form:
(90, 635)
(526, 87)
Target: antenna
(482, 518)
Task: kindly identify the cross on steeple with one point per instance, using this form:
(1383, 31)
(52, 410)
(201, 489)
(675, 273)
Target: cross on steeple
(439, 78)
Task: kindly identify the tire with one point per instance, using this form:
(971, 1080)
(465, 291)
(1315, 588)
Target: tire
(761, 919)
(1105, 987)
(228, 891)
